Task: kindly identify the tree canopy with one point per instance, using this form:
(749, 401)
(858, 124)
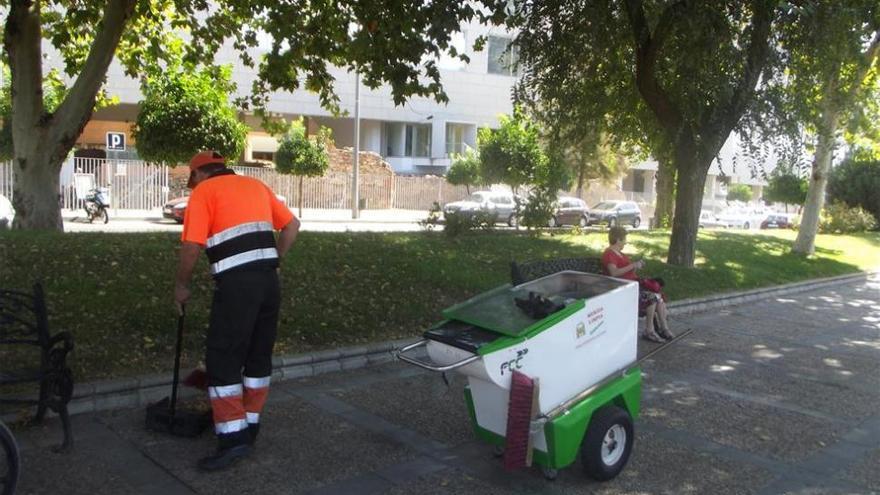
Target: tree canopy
(830, 52)
(785, 186)
(299, 155)
(673, 77)
(185, 111)
(465, 170)
(290, 45)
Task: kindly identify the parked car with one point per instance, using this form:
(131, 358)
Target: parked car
(176, 208)
(570, 211)
(616, 213)
(708, 220)
(502, 204)
(743, 217)
(777, 221)
(7, 213)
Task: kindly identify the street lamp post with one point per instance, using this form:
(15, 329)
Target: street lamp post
(355, 197)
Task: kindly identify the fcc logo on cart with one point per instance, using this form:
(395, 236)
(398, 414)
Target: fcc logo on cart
(515, 363)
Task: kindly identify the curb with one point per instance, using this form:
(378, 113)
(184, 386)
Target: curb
(701, 304)
(140, 391)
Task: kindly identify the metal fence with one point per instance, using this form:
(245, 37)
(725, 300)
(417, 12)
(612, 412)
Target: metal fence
(134, 185)
(333, 190)
(140, 186)
(6, 179)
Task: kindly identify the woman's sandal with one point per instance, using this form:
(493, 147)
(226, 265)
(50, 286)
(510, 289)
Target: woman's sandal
(653, 337)
(665, 333)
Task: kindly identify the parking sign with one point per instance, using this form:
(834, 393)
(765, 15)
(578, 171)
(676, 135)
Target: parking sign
(115, 141)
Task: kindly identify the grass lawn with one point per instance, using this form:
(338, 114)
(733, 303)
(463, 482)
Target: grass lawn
(113, 291)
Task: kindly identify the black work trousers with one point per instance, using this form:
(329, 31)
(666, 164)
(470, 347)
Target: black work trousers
(244, 324)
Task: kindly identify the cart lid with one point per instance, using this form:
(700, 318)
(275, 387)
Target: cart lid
(497, 311)
(462, 335)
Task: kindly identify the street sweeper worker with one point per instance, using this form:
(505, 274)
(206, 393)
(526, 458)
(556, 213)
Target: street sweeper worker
(234, 219)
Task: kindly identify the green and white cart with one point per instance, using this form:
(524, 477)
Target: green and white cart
(584, 357)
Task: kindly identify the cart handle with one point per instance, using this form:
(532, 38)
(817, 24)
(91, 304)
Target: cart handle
(427, 365)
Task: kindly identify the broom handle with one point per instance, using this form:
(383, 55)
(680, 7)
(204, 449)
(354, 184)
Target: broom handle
(177, 359)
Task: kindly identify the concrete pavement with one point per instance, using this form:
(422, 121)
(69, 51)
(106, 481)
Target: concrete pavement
(775, 397)
(321, 220)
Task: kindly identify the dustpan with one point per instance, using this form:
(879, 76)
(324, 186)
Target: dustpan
(165, 416)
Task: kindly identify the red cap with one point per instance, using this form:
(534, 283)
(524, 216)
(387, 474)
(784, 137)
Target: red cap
(203, 158)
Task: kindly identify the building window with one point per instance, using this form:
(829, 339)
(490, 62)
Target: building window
(638, 181)
(407, 139)
(456, 142)
(502, 60)
(268, 156)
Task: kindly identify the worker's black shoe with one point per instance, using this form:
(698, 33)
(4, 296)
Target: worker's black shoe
(225, 458)
(253, 430)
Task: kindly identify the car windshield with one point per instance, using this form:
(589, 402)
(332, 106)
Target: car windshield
(605, 205)
(476, 198)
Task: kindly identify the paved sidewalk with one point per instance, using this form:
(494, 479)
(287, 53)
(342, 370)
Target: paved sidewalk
(775, 397)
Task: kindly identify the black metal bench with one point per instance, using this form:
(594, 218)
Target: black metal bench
(533, 270)
(24, 323)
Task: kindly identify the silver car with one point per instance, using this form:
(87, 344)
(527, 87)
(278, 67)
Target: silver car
(708, 220)
(502, 204)
(616, 213)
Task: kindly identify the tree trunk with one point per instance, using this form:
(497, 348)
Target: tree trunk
(688, 201)
(35, 192)
(580, 187)
(665, 193)
(41, 140)
(299, 199)
(806, 239)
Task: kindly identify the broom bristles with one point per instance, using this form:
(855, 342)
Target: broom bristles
(520, 411)
(197, 378)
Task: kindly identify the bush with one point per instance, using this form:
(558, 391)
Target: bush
(539, 208)
(739, 192)
(457, 223)
(465, 170)
(838, 218)
(433, 219)
(856, 183)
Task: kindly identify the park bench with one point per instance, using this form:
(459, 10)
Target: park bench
(533, 270)
(24, 325)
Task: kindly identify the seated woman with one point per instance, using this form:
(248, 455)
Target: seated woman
(617, 264)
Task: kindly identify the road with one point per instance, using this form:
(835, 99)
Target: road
(780, 397)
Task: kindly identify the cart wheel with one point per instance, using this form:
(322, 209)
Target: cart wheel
(550, 474)
(608, 443)
(497, 451)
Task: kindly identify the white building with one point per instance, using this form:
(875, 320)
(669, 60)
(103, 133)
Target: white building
(416, 138)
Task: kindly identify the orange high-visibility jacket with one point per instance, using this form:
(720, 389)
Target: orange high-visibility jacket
(235, 217)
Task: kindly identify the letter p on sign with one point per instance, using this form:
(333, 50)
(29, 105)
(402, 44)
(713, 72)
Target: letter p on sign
(115, 141)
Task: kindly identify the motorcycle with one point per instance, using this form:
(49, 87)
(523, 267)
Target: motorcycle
(97, 202)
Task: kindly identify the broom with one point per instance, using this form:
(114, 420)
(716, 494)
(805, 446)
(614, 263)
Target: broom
(521, 408)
